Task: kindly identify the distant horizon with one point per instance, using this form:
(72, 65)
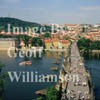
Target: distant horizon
(45, 23)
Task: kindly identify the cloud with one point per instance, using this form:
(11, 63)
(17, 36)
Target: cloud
(96, 8)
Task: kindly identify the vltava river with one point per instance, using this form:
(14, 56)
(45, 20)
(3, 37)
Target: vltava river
(25, 91)
(93, 65)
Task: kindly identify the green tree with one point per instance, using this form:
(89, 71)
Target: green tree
(67, 38)
(97, 45)
(1, 28)
(52, 94)
(37, 41)
(84, 44)
(2, 81)
(87, 45)
(4, 21)
(47, 35)
(25, 38)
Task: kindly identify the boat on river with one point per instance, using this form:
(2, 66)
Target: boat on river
(54, 68)
(25, 63)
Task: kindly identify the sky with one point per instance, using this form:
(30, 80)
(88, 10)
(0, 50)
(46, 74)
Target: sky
(52, 11)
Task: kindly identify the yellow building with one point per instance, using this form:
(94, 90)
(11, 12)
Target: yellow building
(48, 44)
(65, 43)
(56, 44)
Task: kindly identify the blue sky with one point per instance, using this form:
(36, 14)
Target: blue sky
(52, 11)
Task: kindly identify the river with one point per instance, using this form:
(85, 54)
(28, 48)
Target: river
(26, 91)
(93, 66)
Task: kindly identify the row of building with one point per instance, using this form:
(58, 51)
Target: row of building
(58, 39)
(56, 44)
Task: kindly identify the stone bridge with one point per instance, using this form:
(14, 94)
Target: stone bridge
(74, 80)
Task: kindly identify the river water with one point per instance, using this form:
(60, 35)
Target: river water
(26, 91)
(93, 66)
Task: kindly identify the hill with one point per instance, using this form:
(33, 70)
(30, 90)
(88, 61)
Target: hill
(4, 21)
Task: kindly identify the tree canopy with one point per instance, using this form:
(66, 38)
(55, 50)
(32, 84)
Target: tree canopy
(52, 94)
(47, 35)
(86, 45)
(14, 22)
(2, 81)
(37, 41)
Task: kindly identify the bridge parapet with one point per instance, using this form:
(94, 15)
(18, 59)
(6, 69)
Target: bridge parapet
(77, 84)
